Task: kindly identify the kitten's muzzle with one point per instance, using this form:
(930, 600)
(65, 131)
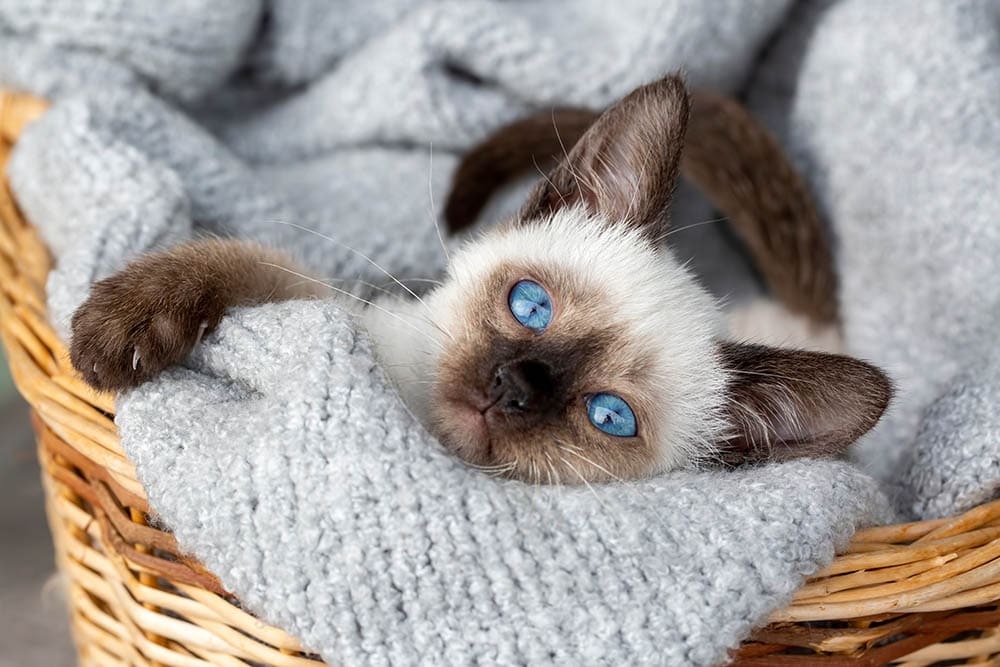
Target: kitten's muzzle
(522, 388)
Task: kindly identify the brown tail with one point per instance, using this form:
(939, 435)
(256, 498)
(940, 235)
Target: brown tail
(728, 155)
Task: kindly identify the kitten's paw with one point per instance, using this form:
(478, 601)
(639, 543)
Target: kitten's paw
(140, 321)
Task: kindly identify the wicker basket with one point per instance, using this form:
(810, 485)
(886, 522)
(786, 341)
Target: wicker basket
(915, 593)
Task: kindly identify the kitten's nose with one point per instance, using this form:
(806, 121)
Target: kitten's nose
(521, 386)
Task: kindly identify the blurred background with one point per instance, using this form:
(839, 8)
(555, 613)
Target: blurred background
(33, 626)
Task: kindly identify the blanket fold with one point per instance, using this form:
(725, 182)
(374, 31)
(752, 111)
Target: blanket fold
(280, 456)
(332, 513)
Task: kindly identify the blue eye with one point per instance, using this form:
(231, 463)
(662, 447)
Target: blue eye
(612, 415)
(530, 304)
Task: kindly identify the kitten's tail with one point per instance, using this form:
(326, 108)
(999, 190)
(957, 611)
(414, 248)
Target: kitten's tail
(728, 155)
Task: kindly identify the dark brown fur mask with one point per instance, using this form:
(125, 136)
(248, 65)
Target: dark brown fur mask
(522, 384)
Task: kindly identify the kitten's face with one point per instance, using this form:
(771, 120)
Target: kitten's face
(575, 351)
(570, 346)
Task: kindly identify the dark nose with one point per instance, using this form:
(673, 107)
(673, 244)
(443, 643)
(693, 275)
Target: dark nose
(521, 386)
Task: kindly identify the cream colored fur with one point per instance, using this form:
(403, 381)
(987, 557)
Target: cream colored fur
(669, 316)
(769, 323)
(657, 300)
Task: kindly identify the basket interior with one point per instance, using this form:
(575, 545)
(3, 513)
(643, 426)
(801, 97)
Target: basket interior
(918, 593)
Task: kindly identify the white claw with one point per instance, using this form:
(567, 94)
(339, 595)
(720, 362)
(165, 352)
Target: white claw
(95, 366)
(135, 359)
(201, 332)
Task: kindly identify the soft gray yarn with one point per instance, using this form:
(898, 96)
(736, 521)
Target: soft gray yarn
(893, 112)
(280, 457)
(318, 499)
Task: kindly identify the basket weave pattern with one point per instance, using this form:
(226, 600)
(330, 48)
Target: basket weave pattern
(915, 593)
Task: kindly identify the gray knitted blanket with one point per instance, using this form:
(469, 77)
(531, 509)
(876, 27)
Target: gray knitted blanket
(279, 455)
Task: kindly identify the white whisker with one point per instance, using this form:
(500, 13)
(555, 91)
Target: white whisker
(775, 376)
(607, 472)
(373, 263)
(686, 227)
(357, 298)
(584, 480)
(430, 196)
(423, 280)
(562, 197)
(568, 162)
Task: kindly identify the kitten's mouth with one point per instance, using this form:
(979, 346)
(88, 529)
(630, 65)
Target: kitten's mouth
(467, 426)
(468, 400)
(469, 421)
(478, 401)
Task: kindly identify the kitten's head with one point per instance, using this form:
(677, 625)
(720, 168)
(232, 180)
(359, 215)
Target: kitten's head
(576, 345)
(577, 348)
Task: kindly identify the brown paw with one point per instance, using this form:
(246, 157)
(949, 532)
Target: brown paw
(142, 320)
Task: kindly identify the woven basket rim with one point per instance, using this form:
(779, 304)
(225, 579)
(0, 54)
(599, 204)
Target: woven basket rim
(937, 570)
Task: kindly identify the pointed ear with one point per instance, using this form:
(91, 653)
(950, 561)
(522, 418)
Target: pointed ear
(624, 168)
(789, 403)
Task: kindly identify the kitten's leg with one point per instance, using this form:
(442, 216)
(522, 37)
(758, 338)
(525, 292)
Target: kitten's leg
(149, 315)
(768, 322)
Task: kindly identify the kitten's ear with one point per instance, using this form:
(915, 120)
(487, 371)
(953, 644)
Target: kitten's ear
(789, 403)
(624, 168)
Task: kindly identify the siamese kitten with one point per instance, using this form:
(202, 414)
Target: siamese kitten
(568, 344)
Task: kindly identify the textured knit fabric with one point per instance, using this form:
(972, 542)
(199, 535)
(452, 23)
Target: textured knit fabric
(892, 111)
(280, 456)
(332, 513)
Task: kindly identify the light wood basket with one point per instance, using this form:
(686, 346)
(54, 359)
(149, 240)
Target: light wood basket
(914, 594)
